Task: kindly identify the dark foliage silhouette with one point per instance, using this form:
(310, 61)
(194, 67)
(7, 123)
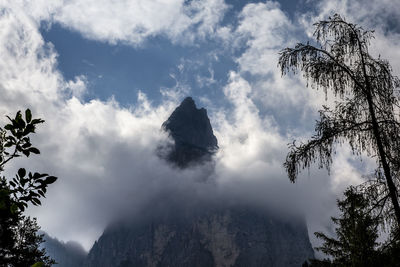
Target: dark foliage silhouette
(366, 112)
(19, 240)
(357, 232)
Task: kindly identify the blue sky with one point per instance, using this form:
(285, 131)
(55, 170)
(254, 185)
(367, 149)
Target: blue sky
(105, 75)
(121, 70)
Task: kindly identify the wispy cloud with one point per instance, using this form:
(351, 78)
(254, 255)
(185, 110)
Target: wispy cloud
(104, 154)
(132, 22)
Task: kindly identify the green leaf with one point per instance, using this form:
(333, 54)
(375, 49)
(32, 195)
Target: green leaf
(21, 172)
(8, 144)
(36, 201)
(50, 179)
(34, 150)
(30, 128)
(22, 181)
(8, 127)
(26, 145)
(36, 121)
(20, 121)
(28, 115)
(41, 193)
(18, 115)
(18, 134)
(37, 175)
(38, 264)
(24, 199)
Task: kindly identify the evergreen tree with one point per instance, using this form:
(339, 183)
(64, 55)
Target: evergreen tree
(355, 244)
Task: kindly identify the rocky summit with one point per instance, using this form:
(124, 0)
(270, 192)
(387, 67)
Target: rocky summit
(191, 131)
(212, 234)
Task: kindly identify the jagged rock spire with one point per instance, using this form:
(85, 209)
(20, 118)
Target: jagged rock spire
(191, 130)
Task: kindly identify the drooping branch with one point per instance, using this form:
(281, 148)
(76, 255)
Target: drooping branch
(321, 69)
(367, 115)
(320, 147)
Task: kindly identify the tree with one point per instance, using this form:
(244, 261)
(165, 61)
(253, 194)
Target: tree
(357, 233)
(19, 240)
(366, 111)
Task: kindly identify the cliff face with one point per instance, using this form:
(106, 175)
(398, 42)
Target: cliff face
(191, 131)
(201, 235)
(65, 254)
(225, 237)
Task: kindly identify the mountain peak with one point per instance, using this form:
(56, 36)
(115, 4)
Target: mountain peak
(191, 130)
(188, 101)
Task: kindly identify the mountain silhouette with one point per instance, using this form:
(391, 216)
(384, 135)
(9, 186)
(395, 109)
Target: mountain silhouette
(191, 131)
(205, 233)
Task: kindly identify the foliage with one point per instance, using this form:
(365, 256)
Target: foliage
(19, 241)
(366, 113)
(357, 233)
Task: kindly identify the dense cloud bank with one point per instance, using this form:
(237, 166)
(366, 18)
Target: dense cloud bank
(104, 155)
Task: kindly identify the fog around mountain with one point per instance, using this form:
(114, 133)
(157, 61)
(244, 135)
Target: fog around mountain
(105, 76)
(179, 228)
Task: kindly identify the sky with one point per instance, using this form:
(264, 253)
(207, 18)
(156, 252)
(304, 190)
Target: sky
(105, 75)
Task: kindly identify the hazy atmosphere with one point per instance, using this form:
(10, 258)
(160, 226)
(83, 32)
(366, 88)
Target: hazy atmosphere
(105, 75)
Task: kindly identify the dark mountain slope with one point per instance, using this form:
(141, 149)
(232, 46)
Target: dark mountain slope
(239, 236)
(65, 254)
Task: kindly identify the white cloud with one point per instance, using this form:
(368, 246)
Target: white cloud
(81, 143)
(131, 22)
(381, 16)
(78, 86)
(264, 100)
(28, 73)
(247, 139)
(264, 30)
(104, 154)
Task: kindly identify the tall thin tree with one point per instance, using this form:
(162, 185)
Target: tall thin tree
(366, 112)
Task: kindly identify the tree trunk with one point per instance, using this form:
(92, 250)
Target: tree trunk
(381, 150)
(385, 165)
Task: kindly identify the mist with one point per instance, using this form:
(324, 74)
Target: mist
(105, 179)
(105, 152)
